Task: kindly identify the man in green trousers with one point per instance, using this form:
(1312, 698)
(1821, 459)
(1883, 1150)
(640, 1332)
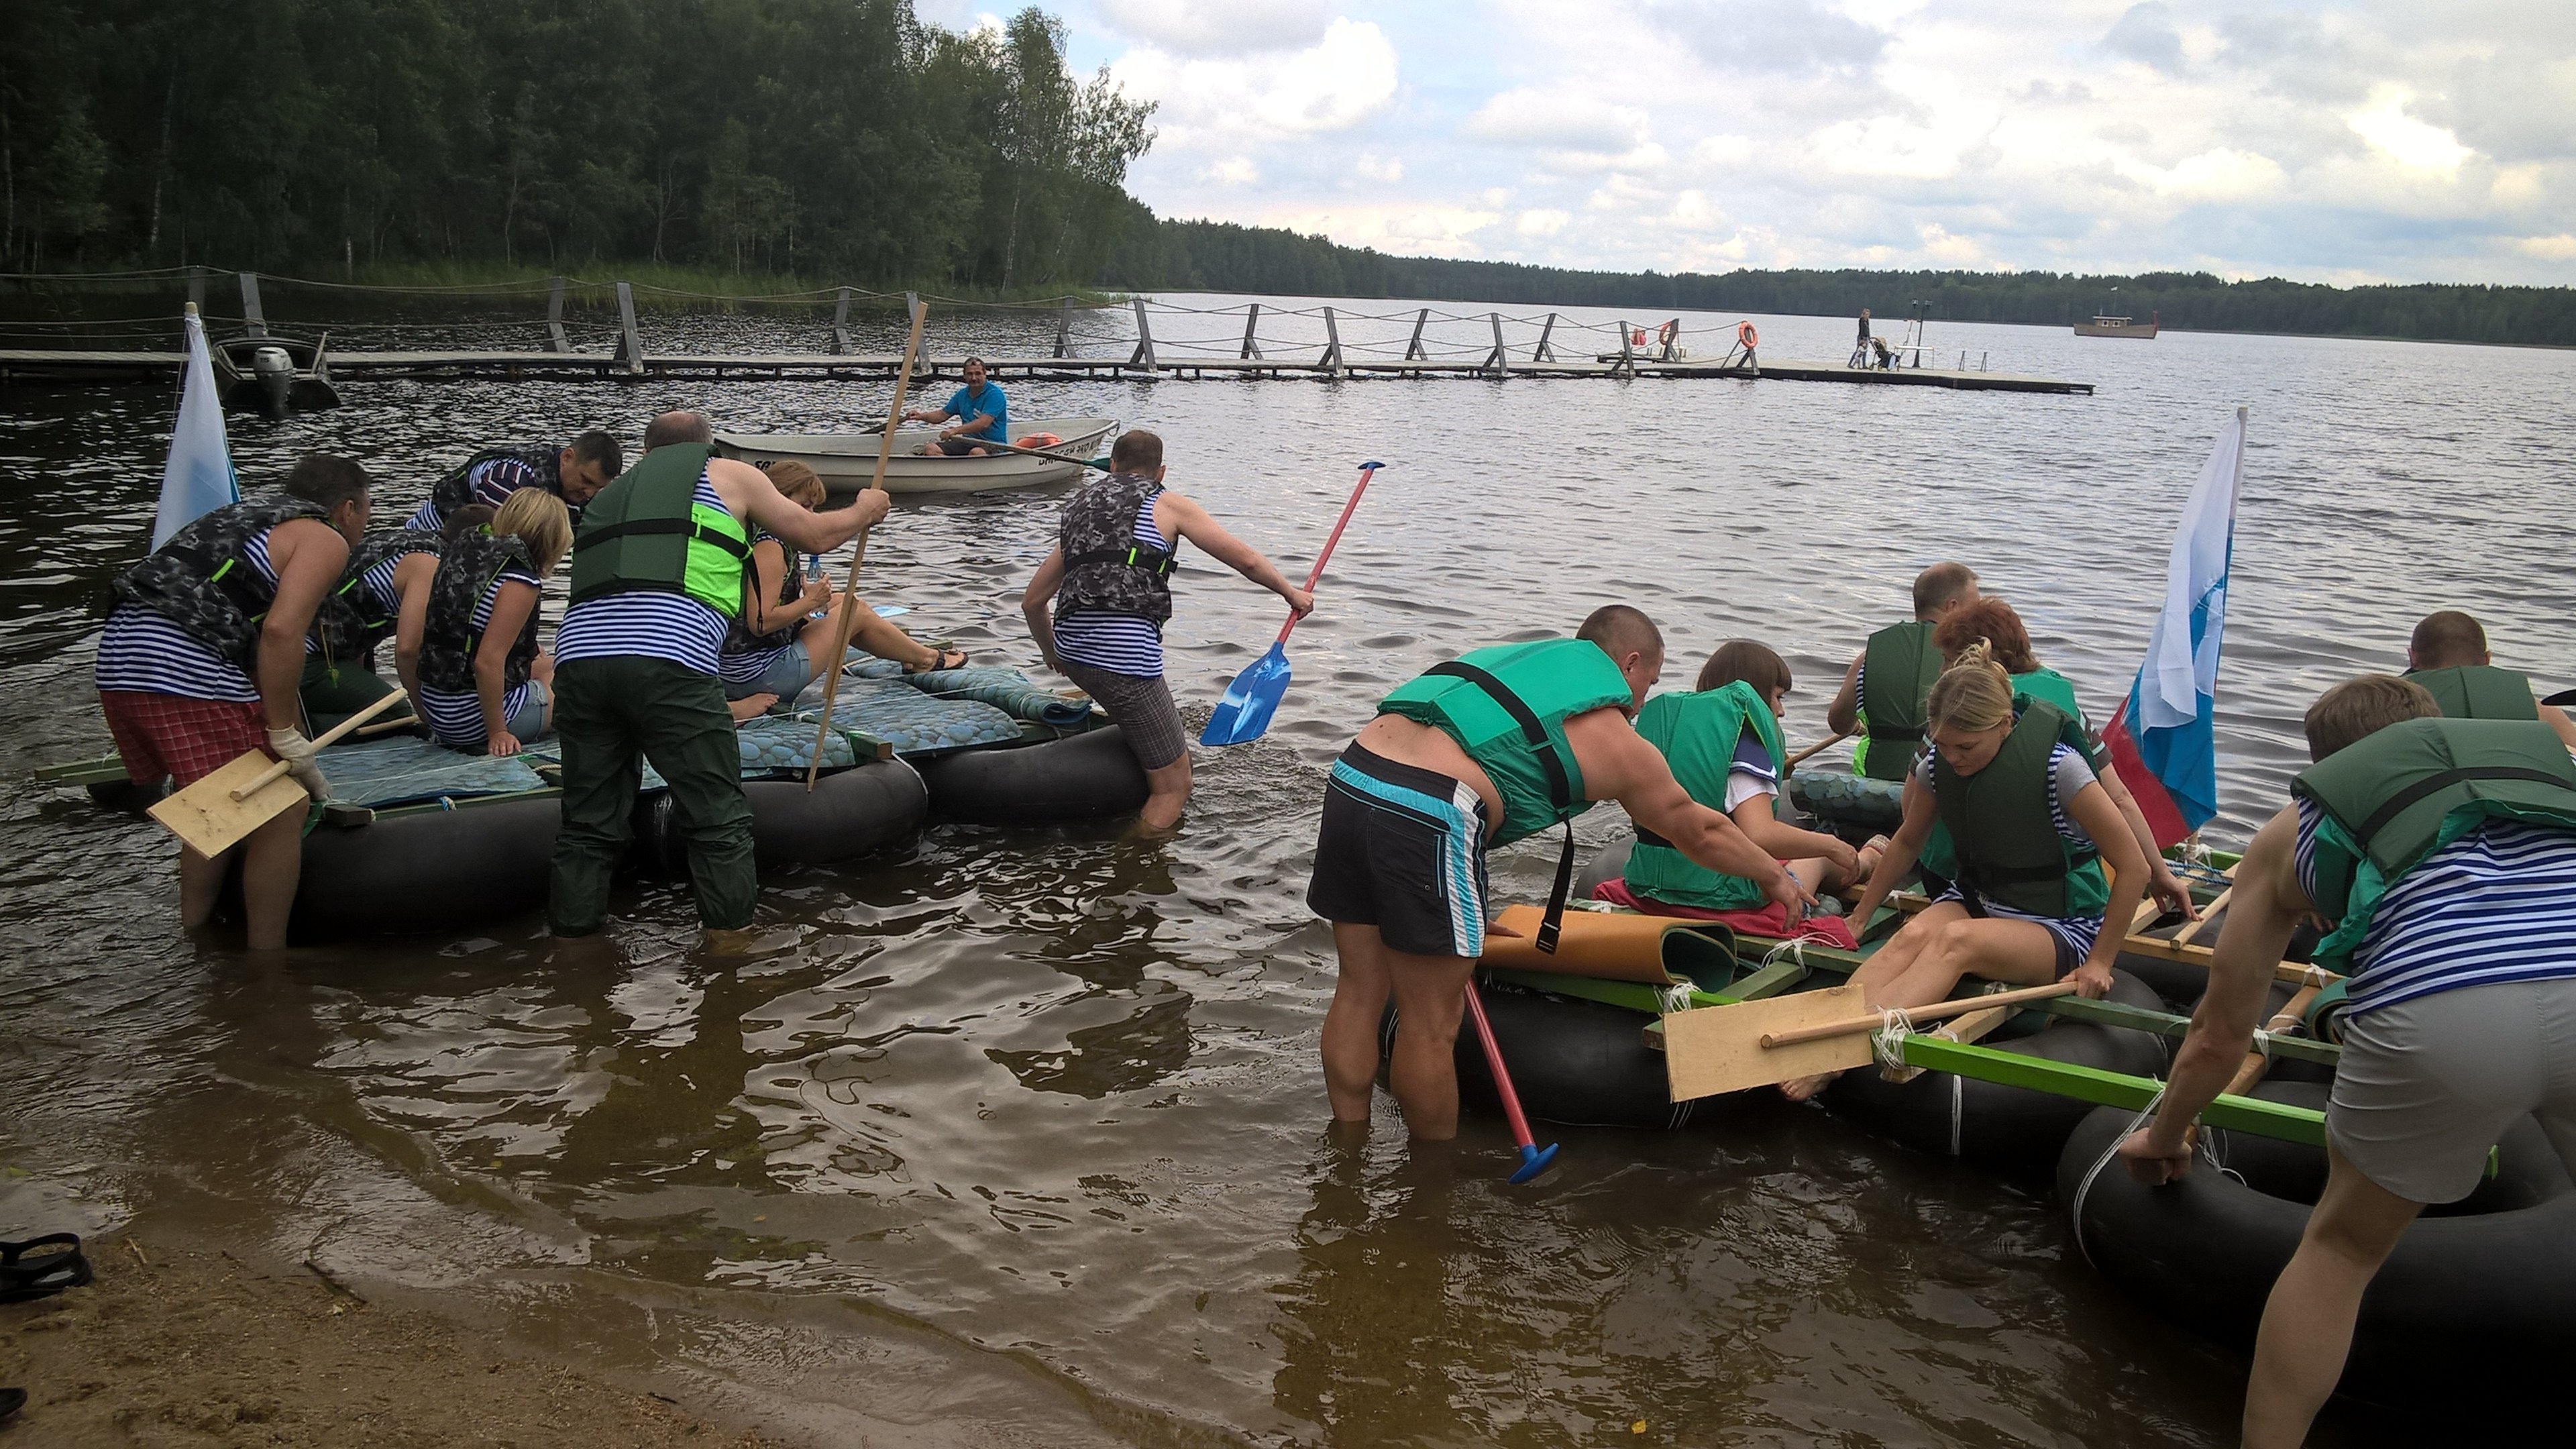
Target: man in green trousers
(657, 575)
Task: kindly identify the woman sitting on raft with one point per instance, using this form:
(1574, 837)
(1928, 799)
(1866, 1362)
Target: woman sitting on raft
(2031, 825)
(2008, 644)
(1723, 743)
(778, 645)
(483, 680)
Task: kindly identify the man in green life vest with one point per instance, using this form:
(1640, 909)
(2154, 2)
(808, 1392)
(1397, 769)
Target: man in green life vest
(1883, 692)
(2444, 852)
(2448, 657)
(657, 577)
(1498, 746)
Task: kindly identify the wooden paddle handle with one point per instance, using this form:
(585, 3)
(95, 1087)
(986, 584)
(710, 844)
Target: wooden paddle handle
(1818, 748)
(1934, 1012)
(277, 771)
(848, 623)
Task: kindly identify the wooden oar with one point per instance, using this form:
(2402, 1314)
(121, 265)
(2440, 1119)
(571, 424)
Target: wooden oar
(220, 810)
(1100, 463)
(1818, 748)
(850, 589)
(1714, 1049)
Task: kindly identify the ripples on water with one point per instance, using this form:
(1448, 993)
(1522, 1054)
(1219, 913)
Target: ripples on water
(1053, 1094)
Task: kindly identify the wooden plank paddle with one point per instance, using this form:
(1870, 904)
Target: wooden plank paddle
(1714, 1049)
(850, 588)
(220, 810)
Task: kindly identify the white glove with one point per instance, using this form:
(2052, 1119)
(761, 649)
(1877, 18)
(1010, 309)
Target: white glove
(291, 746)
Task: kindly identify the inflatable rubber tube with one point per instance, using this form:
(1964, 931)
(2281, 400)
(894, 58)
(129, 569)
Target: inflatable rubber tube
(1079, 777)
(1609, 863)
(848, 813)
(428, 871)
(1997, 1125)
(2472, 1317)
(1574, 1062)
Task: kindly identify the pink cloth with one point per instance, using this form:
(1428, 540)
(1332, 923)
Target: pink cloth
(1772, 920)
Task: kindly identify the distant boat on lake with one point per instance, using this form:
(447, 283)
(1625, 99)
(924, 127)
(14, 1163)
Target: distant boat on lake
(2118, 327)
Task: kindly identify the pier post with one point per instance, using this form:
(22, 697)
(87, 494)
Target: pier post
(1545, 353)
(197, 288)
(1251, 343)
(1332, 361)
(1413, 349)
(630, 343)
(253, 320)
(1674, 342)
(1627, 364)
(841, 325)
(1143, 356)
(921, 364)
(1500, 361)
(1064, 330)
(555, 339)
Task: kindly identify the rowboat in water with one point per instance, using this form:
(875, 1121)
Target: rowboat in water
(847, 461)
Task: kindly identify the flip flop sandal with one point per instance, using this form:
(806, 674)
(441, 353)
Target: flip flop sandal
(941, 663)
(26, 1272)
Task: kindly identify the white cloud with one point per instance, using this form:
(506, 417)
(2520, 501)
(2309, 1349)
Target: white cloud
(2214, 175)
(1542, 221)
(1388, 169)
(1556, 120)
(1233, 171)
(1218, 27)
(1347, 77)
(2414, 144)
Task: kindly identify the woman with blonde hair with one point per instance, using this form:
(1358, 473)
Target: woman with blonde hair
(2032, 826)
(790, 622)
(483, 680)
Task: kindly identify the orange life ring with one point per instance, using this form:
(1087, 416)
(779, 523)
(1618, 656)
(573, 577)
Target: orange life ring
(1670, 330)
(1040, 440)
(1745, 335)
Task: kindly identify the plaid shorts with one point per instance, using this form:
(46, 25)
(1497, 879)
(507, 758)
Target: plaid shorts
(184, 739)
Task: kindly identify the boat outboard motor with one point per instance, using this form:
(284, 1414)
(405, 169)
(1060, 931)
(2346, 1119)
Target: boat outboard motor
(275, 372)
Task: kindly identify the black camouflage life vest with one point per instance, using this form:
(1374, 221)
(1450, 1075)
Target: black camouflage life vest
(456, 490)
(352, 620)
(1106, 570)
(201, 581)
(791, 585)
(448, 640)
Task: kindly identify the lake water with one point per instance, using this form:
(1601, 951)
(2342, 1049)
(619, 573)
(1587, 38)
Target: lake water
(1019, 1137)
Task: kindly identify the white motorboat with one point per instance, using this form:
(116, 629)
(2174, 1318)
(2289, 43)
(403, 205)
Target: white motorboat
(847, 461)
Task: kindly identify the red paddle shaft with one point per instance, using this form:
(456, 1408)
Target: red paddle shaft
(1502, 1078)
(1367, 471)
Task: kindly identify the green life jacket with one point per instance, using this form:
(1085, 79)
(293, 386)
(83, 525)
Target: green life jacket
(2007, 842)
(2478, 691)
(448, 639)
(647, 531)
(1699, 734)
(1938, 856)
(2400, 794)
(203, 581)
(1897, 668)
(1506, 707)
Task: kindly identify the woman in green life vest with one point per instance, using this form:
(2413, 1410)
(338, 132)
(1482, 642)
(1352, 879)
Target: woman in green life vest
(1723, 741)
(2007, 642)
(2032, 827)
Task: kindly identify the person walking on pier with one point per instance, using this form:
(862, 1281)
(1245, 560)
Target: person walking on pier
(658, 576)
(1097, 605)
(206, 646)
(574, 473)
(979, 410)
(2444, 853)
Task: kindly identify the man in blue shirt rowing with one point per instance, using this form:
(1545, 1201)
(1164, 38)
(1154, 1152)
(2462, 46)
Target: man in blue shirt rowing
(979, 411)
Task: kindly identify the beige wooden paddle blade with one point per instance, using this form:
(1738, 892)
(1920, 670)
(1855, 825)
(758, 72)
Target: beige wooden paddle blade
(1713, 1049)
(208, 820)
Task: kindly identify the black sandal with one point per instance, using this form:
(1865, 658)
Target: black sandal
(941, 663)
(47, 1273)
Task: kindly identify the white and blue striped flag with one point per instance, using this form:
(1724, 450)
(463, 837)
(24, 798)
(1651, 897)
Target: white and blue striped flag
(199, 477)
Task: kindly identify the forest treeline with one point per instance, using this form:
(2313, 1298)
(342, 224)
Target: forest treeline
(830, 137)
(1222, 257)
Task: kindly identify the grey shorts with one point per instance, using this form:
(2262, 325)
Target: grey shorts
(2427, 1085)
(1141, 708)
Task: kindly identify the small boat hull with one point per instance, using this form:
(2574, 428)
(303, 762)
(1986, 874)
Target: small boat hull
(2116, 327)
(847, 461)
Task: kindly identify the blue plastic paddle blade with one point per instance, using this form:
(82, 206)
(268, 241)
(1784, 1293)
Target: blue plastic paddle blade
(1244, 713)
(1534, 1160)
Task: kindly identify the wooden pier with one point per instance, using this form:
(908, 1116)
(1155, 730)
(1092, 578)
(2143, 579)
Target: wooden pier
(627, 360)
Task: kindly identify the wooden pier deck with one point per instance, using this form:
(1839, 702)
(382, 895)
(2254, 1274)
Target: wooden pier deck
(69, 365)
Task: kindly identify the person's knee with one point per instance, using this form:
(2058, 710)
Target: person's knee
(1952, 942)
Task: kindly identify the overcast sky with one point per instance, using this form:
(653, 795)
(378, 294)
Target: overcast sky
(2429, 140)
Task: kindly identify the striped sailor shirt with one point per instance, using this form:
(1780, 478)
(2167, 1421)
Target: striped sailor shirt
(2498, 904)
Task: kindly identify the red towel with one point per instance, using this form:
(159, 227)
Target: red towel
(1772, 920)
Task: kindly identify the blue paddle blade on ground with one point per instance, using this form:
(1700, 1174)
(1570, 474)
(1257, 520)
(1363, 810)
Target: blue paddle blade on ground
(1249, 702)
(1534, 1160)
